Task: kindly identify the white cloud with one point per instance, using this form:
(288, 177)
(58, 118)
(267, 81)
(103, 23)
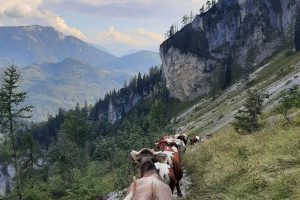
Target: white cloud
(25, 12)
(134, 9)
(138, 37)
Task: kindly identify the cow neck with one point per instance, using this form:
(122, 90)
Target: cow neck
(147, 169)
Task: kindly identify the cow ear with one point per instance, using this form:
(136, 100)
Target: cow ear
(160, 157)
(134, 156)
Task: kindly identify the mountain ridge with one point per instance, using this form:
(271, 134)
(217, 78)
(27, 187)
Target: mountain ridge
(45, 44)
(224, 44)
(51, 86)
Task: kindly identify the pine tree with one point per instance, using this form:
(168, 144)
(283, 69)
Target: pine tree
(202, 9)
(12, 111)
(172, 31)
(191, 17)
(246, 120)
(185, 20)
(208, 4)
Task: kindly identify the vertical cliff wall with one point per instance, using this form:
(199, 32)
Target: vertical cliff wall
(224, 43)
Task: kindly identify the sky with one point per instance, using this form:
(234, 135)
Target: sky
(120, 26)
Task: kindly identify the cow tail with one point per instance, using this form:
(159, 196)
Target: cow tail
(132, 192)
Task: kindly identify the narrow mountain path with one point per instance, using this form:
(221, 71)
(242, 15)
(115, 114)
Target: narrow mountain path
(184, 186)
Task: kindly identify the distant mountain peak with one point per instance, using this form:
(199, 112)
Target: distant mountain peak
(39, 44)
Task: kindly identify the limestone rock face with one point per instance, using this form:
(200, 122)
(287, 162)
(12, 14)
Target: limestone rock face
(232, 37)
(185, 74)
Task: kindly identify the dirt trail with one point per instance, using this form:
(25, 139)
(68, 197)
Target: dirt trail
(184, 185)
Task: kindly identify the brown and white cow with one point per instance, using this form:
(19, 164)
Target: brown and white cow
(168, 147)
(198, 139)
(195, 140)
(150, 186)
(183, 137)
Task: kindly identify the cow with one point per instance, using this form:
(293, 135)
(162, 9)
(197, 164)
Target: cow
(195, 140)
(150, 186)
(183, 137)
(175, 141)
(167, 146)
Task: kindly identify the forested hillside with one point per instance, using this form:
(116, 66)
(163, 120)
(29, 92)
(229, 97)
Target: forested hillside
(83, 153)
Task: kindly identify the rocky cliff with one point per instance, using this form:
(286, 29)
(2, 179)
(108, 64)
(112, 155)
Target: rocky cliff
(117, 104)
(7, 173)
(225, 43)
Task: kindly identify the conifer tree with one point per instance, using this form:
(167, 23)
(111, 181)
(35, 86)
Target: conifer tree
(12, 111)
(246, 120)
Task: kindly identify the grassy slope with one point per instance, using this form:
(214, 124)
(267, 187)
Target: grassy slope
(264, 165)
(208, 114)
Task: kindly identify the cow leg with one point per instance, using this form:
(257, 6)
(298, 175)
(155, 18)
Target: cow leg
(172, 185)
(179, 193)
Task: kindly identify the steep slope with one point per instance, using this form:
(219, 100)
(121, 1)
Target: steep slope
(61, 85)
(264, 165)
(225, 43)
(136, 62)
(207, 115)
(35, 44)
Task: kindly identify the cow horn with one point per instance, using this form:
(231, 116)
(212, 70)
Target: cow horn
(134, 154)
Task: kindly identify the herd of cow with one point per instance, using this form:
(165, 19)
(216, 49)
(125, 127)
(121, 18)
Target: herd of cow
(160, 168)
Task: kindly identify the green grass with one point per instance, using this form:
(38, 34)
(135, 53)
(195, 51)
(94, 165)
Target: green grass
(279, 67)
(263, 165)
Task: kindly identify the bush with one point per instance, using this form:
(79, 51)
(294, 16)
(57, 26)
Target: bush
(288, 101)
(35, 194)
(246, 120)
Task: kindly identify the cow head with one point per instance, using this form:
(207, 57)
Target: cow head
(147, 155)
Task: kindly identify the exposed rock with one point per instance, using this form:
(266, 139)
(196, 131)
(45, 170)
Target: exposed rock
(116, 105)
(224, 43)
(6, 175)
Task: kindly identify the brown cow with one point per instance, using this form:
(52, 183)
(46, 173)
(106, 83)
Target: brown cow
(173, 159)
(150, 186)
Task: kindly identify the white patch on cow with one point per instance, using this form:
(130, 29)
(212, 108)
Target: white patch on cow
(163, 170)
(174, 149)
(169, 158)
(177, 142)
(176, 135)
(198, 138)
(169, 140)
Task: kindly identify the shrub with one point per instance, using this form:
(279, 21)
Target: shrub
(288, 101)
(246, 120)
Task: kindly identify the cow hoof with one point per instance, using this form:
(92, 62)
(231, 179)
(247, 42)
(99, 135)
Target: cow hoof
(179, 194)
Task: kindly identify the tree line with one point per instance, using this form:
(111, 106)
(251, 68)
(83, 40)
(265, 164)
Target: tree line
(189, 18)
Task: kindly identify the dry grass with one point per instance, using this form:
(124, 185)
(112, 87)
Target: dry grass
(264, 165)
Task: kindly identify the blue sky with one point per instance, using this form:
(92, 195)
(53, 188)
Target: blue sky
(117, 25)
